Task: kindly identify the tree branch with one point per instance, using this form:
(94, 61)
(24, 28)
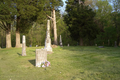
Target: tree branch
(49, 16)
(4, 25)
(57, 21)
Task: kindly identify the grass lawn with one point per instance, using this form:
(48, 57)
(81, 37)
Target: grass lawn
(67, 63)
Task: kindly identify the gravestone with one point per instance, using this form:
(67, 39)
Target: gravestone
(95, 44)
(68, 45)
(48, 39)
(41, 57)
(36, 45)
(77, 43)
(115, 43)
(30, 45)
(61, 42)
(108, 42)
(23, 46)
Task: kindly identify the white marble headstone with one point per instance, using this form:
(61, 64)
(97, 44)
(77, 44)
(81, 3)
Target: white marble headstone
(48, 39)
(23, 46)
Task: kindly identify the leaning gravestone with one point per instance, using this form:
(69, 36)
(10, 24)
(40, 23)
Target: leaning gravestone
(41, 57)
(23, 46)
(48, 39)
(61, 42)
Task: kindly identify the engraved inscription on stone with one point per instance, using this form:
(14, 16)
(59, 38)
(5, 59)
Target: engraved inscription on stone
(41, 56)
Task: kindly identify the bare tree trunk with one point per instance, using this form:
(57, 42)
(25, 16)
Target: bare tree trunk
(8, 39)
(81, 41)
(2, 39)
(55, 28)
(17, 33)
(17, 39)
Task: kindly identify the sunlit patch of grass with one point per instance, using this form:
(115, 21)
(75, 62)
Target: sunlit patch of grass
(67, 63)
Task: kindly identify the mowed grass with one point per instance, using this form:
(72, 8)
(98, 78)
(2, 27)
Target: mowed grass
(67, 63)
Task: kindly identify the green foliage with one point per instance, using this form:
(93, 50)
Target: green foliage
(80, 19)
(62, 29)
(7, 12)
(110, 35)
(2, 38)
(103, 13)
(36, 35)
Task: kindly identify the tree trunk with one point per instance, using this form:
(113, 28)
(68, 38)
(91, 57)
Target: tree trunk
(118, 39)
(55, 28)
(17, 39)
(8, 39)
(81, 41)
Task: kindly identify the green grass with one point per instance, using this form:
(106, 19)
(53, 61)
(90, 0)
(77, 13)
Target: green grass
(67, 63)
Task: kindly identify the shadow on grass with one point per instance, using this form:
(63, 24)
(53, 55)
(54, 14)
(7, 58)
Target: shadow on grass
(32, 62)
(19, 54)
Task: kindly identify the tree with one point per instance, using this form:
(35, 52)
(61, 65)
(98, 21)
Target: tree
(26, 12)
(80, 19)
(103, 14)
(50, 7)
(7, 12)
(116, 18)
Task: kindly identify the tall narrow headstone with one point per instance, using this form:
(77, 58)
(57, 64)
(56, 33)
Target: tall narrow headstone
(23, 46)
(61, 41)
(115, 43)
(41, 57)
(108, 42)
(48, 39)
(68, 45)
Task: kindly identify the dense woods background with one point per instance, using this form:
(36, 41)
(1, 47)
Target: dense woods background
(84, 22)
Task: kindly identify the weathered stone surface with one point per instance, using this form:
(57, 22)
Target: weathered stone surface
(41, 56)
(61, 41)
(23, 46)
(48, 39)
